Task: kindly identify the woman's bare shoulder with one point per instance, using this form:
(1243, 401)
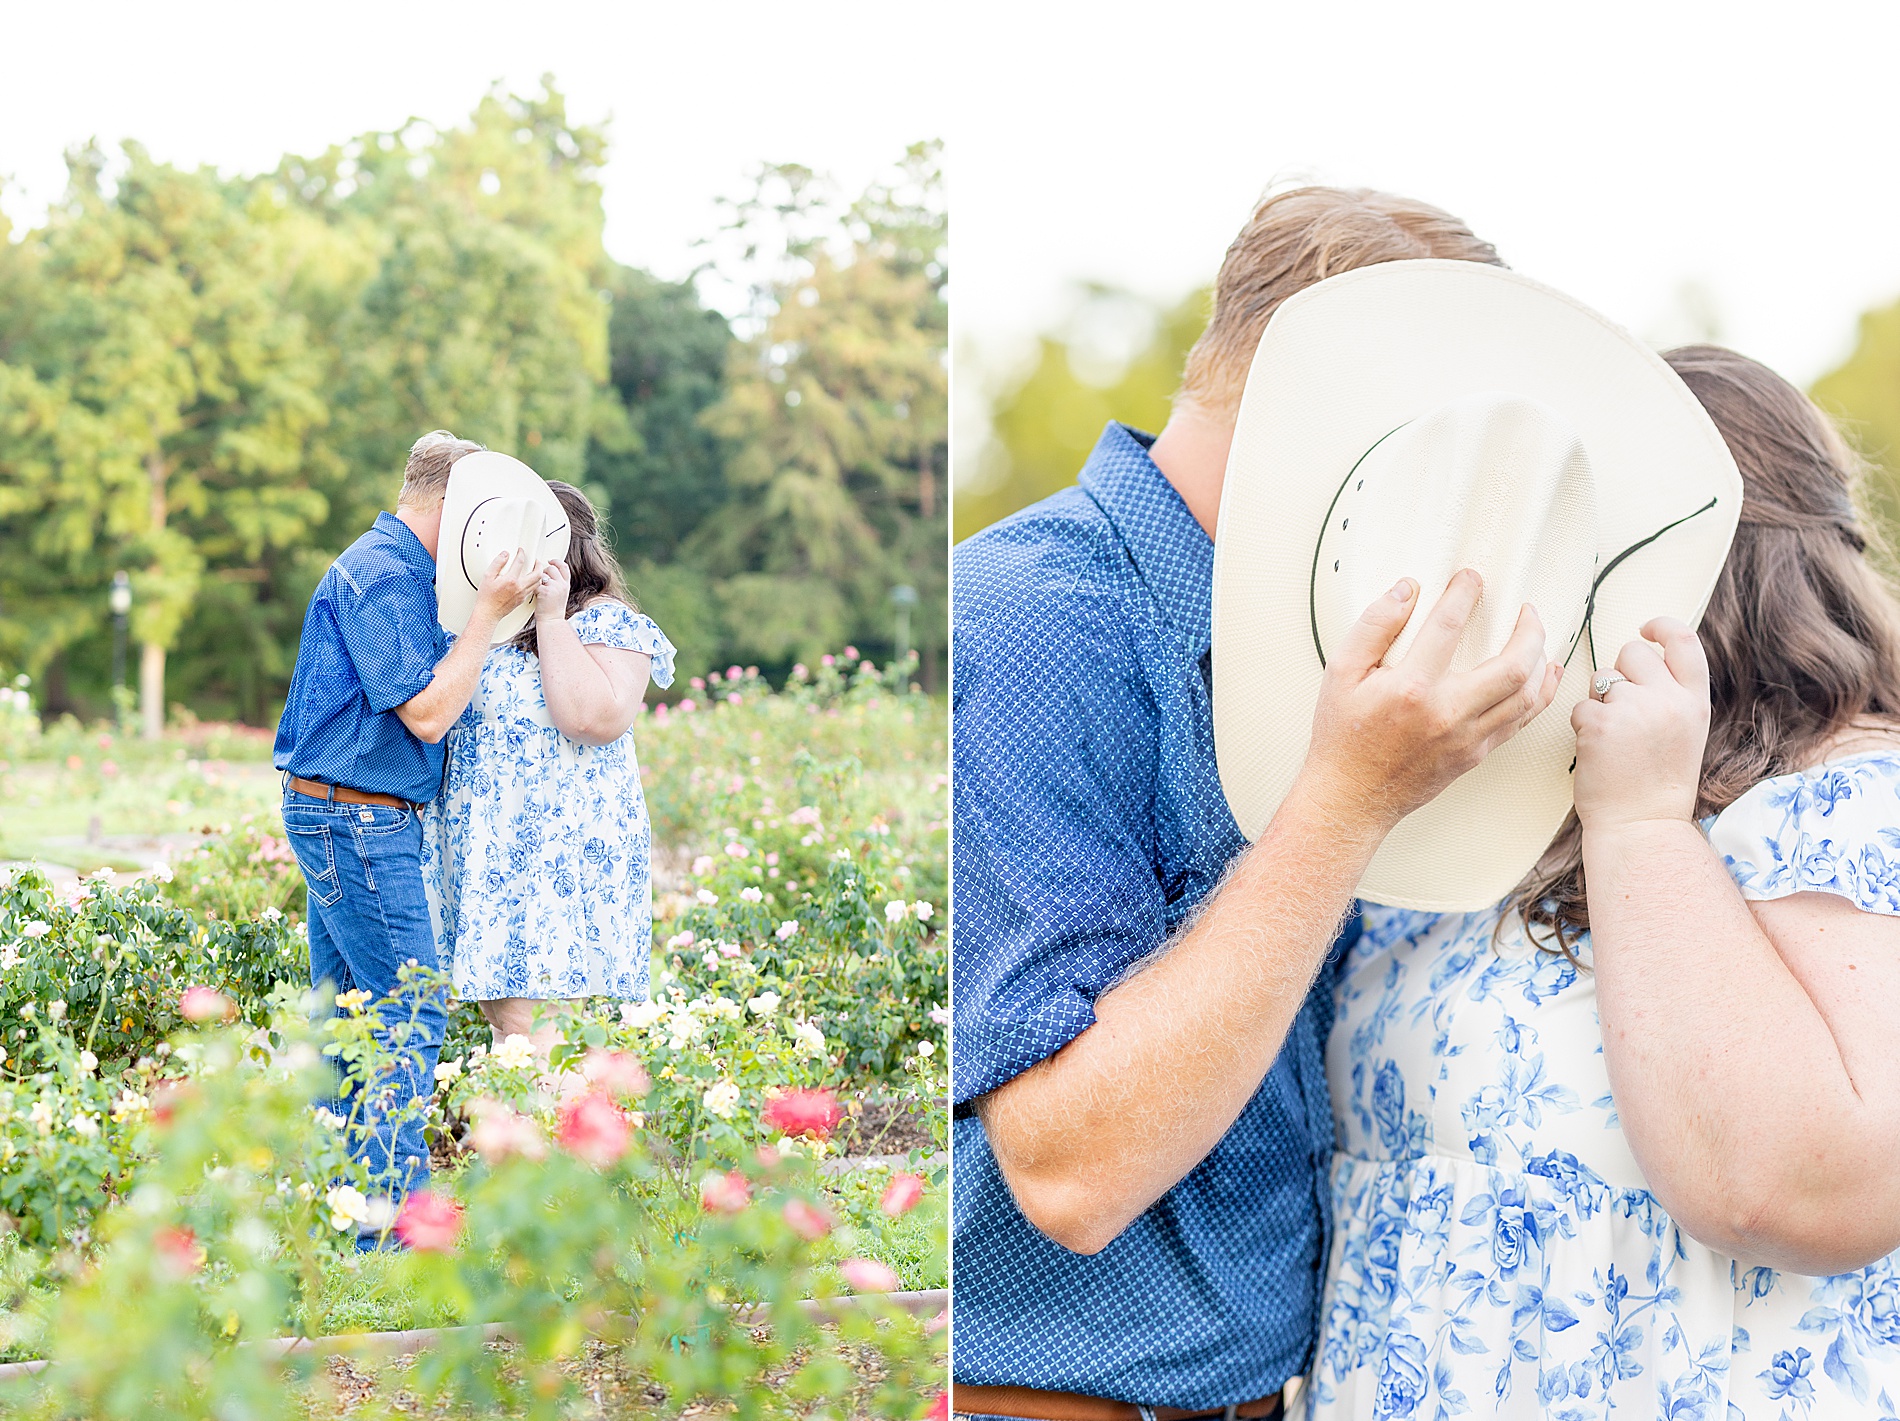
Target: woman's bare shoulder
(1866, 736)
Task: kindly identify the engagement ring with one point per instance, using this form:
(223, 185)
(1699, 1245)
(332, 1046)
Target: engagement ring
(1604, 680)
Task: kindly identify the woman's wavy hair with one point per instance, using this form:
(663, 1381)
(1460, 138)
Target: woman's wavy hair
(593, 572)
(1802, 633)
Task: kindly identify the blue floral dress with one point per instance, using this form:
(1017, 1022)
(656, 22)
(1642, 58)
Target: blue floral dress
(1496, 1251)
(536, 854)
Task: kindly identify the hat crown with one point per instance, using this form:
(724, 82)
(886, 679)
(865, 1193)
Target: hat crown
(1491, 481)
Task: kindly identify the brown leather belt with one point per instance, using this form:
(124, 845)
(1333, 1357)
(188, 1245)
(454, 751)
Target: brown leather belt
(342, 794)
(1067, 1406)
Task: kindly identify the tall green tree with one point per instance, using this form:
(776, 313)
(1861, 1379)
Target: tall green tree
(158, 408)
(666, 473)
(835, 411)
(1864, 396)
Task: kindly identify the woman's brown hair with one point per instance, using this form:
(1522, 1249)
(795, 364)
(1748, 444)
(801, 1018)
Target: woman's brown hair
(592, 571)
(1801, 632)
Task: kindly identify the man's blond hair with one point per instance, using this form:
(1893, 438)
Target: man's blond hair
(425, 479)
(1294, 239)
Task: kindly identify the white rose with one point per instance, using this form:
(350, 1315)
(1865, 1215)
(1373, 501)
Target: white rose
(764, 1004)
(347, 1206)
(707, 896)
(894, 910)
(448, 1070)
(641, 1015)
(722, 1099)
(923, 910)
(925, 1049)
(752, 895)
(515, 1053)
(787, 930)
(88, 1063)
(808, 1040)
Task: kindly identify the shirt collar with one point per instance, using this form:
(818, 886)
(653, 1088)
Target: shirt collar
(1172, 553)
(406, 545)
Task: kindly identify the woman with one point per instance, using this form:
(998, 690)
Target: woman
(1689, 1210)
(536, 851)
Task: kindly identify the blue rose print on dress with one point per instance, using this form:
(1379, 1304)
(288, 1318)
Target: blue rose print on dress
(536, 853)
(1496, 1252)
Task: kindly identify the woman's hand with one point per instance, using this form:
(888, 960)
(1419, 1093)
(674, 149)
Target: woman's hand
(551, 594)
(1639, 749)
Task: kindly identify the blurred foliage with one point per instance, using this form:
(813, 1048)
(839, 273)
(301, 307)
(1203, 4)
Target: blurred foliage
(1863, 395)
(1044, 424)
(212, 383)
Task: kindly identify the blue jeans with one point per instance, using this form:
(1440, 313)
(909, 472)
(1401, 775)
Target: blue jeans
(369, 918)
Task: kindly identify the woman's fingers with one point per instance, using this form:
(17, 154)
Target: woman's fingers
(1371, 637)
(1642, 663)
(1682, 651)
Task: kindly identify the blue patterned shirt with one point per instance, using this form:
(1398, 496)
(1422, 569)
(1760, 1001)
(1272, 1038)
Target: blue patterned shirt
(1089, 821)
(371, 640)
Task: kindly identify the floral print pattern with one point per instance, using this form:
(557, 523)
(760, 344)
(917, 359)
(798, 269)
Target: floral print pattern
(1496, 1252)
(536, 854)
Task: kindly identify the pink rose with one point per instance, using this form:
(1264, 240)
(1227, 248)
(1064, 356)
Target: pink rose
(429, 1222)
(593, 1129)
(867, 1275)
(726, 1193)
(901, 1194)
(619, 1073)
(200, 1004)
(808, 1221)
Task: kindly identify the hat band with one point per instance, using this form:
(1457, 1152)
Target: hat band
(1585, 630)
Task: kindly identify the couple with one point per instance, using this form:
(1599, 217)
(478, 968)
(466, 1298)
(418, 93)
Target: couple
(484, 624)
(1539, 1057)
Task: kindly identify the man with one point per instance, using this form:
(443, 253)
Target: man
(1143, 1126)
(360, 745)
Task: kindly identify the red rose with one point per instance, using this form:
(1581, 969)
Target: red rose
(804, 1112)
(178, 1249)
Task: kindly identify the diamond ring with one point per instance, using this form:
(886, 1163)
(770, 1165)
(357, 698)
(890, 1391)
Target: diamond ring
(1600, 687)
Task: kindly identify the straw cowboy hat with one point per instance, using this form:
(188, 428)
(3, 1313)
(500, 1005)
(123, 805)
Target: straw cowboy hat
(494, 504)
(1418, 417)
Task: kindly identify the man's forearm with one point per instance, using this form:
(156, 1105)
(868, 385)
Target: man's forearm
(432, 710)
(1094, 1135)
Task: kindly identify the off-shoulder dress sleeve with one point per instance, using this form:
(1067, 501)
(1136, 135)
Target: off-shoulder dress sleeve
(618, 625)
(1835, 829)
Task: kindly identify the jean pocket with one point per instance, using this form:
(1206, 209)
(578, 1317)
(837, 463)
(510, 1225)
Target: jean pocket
(379, 818)
(315, 856)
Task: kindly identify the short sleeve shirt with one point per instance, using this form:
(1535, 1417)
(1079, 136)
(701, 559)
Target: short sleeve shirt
(371, 640)
(1089, 823)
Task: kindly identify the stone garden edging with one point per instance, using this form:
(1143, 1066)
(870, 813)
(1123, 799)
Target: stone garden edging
(397, 1344)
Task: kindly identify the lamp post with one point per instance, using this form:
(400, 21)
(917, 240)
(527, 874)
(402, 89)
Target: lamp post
(903, 599)
(119, 599)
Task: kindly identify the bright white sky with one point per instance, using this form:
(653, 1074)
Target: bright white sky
(698, 93)
(1614, 149)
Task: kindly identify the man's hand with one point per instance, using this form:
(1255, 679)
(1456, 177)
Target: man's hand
(1388, 739)
(510, 580)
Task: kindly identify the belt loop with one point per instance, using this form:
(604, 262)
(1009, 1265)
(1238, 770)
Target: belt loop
(1231, 1412)
(1147, 1412)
